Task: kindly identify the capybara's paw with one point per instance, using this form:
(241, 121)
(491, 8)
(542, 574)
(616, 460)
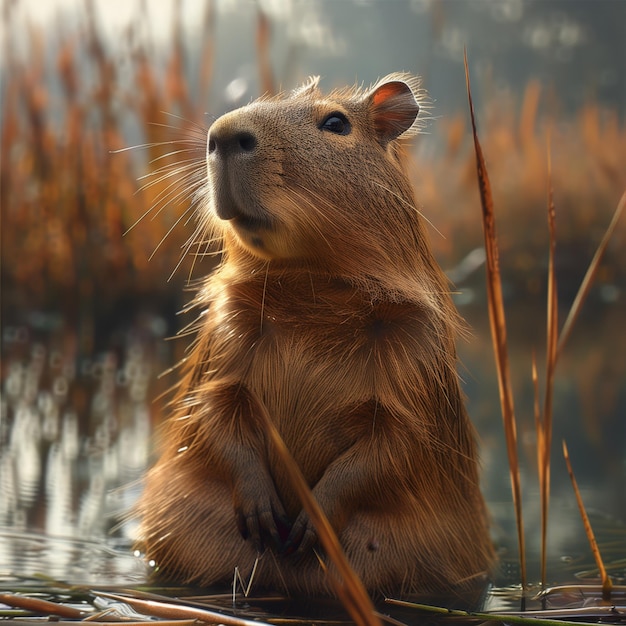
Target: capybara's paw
(302, 537)
(260, 514)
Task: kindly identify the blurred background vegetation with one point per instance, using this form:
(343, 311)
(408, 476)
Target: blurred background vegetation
(89, 298)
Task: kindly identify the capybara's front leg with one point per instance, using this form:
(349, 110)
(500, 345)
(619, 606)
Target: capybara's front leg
(225, 432)
(260, 514)
(367, 475)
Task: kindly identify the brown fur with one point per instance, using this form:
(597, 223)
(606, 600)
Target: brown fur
(330, 315)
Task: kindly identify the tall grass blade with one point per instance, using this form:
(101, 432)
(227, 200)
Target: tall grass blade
(528, 114)
(606, 580)
(589, 277)
(498, 329)
(537, 414)
(208, 51)
(552, 334)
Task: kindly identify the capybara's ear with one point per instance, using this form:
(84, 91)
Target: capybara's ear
(393, 106)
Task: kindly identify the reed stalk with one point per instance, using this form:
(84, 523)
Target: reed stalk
(544, 442)
(605, 578)
(590, 275)
(497, 320)
(348, 586)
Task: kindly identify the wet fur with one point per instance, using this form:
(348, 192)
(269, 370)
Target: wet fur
(330, 315)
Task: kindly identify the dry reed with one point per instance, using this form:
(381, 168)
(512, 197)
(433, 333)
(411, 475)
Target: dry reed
(347, 584)
(495, 304)
(66, 193)
(544, 430)
(554, 342)
(606, 580)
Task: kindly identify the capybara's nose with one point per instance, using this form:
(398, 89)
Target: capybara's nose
(225, 141)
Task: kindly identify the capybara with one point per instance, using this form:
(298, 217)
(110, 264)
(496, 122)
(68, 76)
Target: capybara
(329, 315)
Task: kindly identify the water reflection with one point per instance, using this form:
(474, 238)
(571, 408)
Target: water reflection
(75, 435)
(30, 555)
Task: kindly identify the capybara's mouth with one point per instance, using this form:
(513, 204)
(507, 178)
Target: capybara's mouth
(250, 216)
(252, 223)
(233, 203)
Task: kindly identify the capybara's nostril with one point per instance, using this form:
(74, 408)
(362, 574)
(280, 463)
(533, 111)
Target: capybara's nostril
(225, 142)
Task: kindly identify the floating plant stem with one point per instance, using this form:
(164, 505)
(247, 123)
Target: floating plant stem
(507, 618)
(171, 611)
(37, 605)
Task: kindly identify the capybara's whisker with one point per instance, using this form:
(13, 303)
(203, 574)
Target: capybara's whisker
(174, 170)
(172, 227)
(178, 162)
(165, 196)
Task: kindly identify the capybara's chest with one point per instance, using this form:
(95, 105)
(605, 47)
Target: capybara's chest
(318, 358)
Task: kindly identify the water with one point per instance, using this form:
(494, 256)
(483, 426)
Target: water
(77, 434)
(97, 563)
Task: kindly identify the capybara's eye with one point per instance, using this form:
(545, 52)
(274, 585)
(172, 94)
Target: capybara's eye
(337, 123)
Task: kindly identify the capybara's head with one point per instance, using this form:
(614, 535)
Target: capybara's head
(315, 178)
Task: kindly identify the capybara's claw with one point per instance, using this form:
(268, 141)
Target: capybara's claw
(263, 522)
(301, 538)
